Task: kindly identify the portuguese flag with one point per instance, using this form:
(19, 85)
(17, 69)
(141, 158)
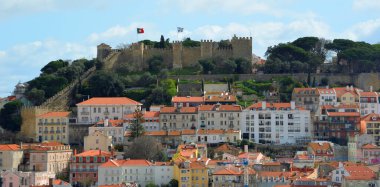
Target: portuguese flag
(140, 30)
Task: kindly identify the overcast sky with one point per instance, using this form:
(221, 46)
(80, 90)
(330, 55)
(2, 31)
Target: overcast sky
(34, 32)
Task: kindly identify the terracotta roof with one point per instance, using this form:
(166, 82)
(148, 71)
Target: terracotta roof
(368, 94)
(233, 171)
(206, 107)
(359, 173)
(230, 108)
(181, 110)
(94, 153)
(129, 162)
(251, 156)
(343, 114)
(177, 99)
(299, 90)
(155, 133)
(343, 106)
(370, 146)
(323, 146)
(54, 114)
(268, 105)
(271, 164)
(60, 182)
(197, 165)
(225, 147)
(9, 147)
(371, 117)
(342, 90)
(275, 174)
(111, 123)
(147, 114)
(109, 101)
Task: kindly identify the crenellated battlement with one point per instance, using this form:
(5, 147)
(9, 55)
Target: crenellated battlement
(177, 56)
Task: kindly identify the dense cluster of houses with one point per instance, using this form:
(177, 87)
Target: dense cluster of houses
(338, 126)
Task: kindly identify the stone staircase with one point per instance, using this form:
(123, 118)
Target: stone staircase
(61, 100)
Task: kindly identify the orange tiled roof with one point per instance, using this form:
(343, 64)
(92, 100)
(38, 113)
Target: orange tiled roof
(197, 165)
(326, 90)
(348, 114)
(233, 171)
(342, 90)
(54, 114)
(277, 106)
(368, 94)
(271, 164)
(206, 107)
(230, 108)
(298, 90)
(59, 182)
(371, 117)
(94, 153)
(344, 106)
(359, 173)
(225, 147)
(147, 114)
(9, 147)
(177, 99)
(325, 146)
(109, 101)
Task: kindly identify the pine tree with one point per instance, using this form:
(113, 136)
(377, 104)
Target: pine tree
(314, 83)
(137, 129)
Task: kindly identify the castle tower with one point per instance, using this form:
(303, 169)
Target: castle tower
(103, 50)
(206, 48)
(242, 47)
(177, 54)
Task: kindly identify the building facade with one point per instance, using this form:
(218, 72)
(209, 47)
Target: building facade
(178, 118)
(151, 120)
(277, 123)
(370, 124)
(109, 127)
(53, 126)
(219, 116)
(10, 157)
(101, 108)
(98, 141)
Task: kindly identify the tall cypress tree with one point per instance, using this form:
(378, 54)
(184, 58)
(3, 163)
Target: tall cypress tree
(137, 129)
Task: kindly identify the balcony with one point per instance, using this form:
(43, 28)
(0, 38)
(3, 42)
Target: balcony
(203, 118)
(106, 113)
(231, 126)
(231, 118)
(85, 113)
(58, 131)
(164, 120)
(203, 125)
(40, 123)
(192, 119)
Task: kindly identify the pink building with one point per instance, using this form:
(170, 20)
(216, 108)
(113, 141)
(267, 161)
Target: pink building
(26, 179)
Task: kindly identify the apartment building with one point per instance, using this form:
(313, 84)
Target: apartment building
(109, 127)
(368, 103)
(347, 95)
(187, 101)
(142, 172)
(219, 116)
(307, 98)
(178, 118)
(191, 173)
(151, 120)
(52, 157)
(277, 123)
(10, 156)
(101, 108)
(327, 96)
(370, 124)
(84, 166)
(98, 141)
(337, 123)
(26, 179)
(53, 126)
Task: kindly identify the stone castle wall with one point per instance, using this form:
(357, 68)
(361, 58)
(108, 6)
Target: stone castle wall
(29, 117)
(178, 56)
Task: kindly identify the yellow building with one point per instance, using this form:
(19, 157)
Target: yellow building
(53, 126)
(191, 173)
(97, 141)
(347, 95)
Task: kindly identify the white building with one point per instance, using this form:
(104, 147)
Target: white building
(151, 120)
(113, 128)
(101, 108)
(368, 103)
(276, 123)
(142, 172)
(327, 96)
(26, 179)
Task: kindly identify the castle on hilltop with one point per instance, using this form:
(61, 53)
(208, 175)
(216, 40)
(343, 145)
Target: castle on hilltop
(136, 56)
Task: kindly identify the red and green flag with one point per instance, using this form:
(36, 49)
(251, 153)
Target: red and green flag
(140, 30)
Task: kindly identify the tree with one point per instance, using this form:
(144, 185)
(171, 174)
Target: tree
(156, 63)
(137, 129)
(162, 42)
(105, 84)
(144, 147)
(224, 66)
(173, 183)
(314, 83)
(36, 96)
(10, 116)
(207, 65)
(325, 81)
(53, 66)
(190, 43)
(243, 66)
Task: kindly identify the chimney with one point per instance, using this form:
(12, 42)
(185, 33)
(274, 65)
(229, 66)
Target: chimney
(352, 88)
(106, 122)
(371, 88)
(292, 105)
(264, 105)
(20, 145)
(246, 148)
(347, 88)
